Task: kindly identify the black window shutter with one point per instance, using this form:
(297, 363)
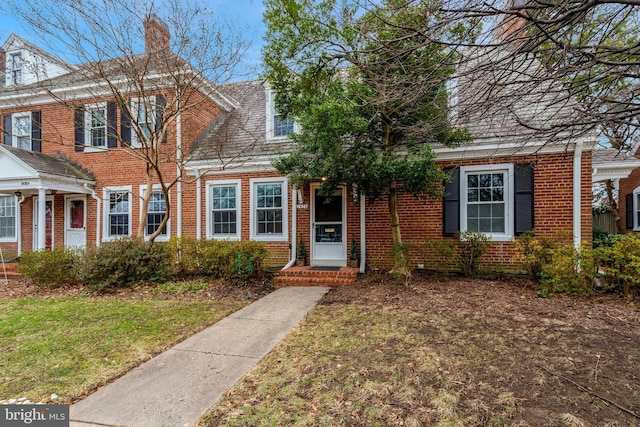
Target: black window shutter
(451, 203)
(6, 127)
(161, 103)
(78, 123)
(112, 125)
(125, 126)
(523, 197)
(36, 131)
(629, 211)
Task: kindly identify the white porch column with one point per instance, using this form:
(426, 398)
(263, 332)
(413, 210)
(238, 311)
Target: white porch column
(42, 218)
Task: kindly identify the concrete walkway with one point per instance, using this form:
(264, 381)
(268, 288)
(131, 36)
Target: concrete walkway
(180, 385)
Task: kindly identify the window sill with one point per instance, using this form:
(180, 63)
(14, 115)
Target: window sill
(230, 237)
(88, 149)
(269, 238)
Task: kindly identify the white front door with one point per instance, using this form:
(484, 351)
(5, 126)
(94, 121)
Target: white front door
(48, 244)
(328, 228)
(75, 221)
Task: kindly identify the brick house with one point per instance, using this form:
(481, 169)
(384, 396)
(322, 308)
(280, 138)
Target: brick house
(67, 163)
(628, 186)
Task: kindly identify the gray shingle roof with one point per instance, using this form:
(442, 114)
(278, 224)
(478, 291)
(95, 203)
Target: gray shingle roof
(239, 135)
(51, 165)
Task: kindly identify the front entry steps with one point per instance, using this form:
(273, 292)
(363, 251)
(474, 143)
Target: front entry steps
(9, 271)
(316, 276)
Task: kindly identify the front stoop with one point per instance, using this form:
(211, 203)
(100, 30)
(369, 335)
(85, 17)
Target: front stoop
(10, 268)
(305, 276)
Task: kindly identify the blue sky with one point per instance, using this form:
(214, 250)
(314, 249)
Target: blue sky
(245, 13)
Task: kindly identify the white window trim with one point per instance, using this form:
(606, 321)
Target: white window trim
(284, 237)
(14, 136)
(10, 70)
(270, 113)
(636, 206)
(16, 225)
(133, 106)
(105, 196)
(508, 198)
(88, 144)
(209, 217)
(155, 188)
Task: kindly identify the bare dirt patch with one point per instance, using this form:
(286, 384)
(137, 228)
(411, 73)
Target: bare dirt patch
(563, 360)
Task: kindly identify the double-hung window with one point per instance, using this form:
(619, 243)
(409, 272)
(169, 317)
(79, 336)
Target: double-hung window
(278, 126)
(96, 125)
(7, 218)
(117, 212)
(22, 131)
(143, 111)
(224, 209)
(269, 209)
(487, 205)
(16, 68)
(156, 211)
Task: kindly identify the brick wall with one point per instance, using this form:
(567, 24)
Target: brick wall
(421, 219)
(113, 167)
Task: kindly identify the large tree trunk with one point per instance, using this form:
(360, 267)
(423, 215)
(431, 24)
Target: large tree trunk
(400, 254)
(614, 207)
(142, 223)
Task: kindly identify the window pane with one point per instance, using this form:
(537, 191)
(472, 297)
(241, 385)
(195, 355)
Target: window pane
(224, 210)
(7, 217)
(485, 180)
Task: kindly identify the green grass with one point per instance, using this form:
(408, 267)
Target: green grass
(69, 346)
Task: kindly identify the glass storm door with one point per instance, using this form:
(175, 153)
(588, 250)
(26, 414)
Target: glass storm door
(75, 222)
(328, 228)
(49, 224)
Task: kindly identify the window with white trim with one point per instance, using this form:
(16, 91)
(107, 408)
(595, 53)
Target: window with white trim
(95, 125)
(223, 218)
(487, 205)
(15, 70)
(7, 218)
(636, 209)
(117, 212)
(156, 212)
(143, 111)
(278, 126)
(22, 131)
(269, 213)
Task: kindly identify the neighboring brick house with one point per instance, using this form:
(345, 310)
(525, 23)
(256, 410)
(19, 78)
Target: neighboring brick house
(70, 155)
(66, 164)
(628, 189)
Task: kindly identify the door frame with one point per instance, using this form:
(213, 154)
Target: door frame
(34, 222)
(67, 215)
(341, 259)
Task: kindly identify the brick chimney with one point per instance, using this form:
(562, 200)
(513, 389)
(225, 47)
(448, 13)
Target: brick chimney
(156, 34)
(513, 29)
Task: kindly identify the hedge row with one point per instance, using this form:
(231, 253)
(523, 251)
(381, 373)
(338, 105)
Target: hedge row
(125, 262)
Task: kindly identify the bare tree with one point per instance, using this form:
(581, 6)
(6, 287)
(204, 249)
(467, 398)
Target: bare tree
(156, 69)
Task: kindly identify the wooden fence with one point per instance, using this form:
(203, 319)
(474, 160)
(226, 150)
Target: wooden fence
(605, 221)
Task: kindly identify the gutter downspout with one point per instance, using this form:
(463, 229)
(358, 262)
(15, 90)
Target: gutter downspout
(21, 200)
(294, 227)
(179, 172)
(198, 204)
(98, 200)
(577, 199)
(363, 235)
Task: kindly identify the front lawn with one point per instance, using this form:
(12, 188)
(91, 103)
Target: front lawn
(448, 353)
(71, 345)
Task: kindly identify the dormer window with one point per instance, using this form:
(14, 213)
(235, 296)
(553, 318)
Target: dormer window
(15, 68)
(282, 126)
(278, 126)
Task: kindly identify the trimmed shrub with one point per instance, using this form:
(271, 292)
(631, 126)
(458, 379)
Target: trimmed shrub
(125, 262)
(534, 252)
(569, 271)
(472, 246)
(621, 264)
(50, 268)
(232, 260)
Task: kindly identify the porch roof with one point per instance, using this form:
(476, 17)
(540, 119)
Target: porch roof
(27, 172)
(609, 163)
